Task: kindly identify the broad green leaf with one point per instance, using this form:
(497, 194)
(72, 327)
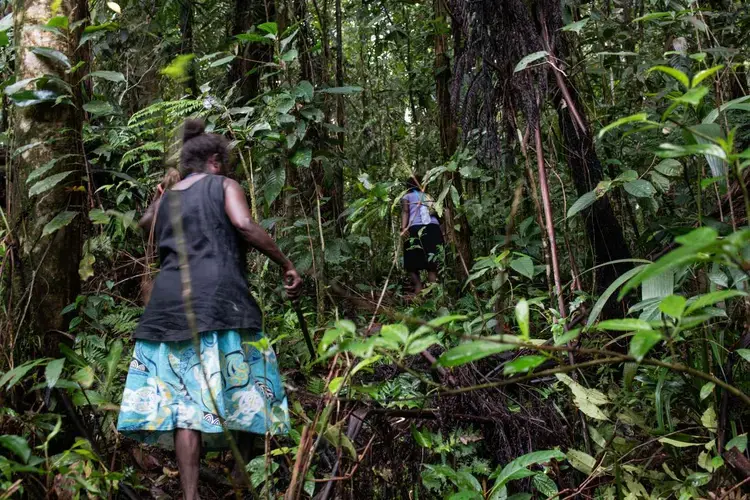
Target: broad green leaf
(636, 118)
(290, 55)
(667, 150)
(693, 96)
(599, 306)
(341, 90)
(521, 464)
(568, 336)
(642, 342)
(669, 167)
(449, 318)
(12, 377)
(84, 377)
(111, 362)
(51, 54)
(112, 76)
(523, 265)
(709, 299)
(660, 182)
(674, 73)
(57, 22)
(623, 325)
(338, 439)
(421, 344)
(678, 444)
(395, 333)
(60, 221)
(18, 86)
(587, 400)
(17, 445)
(302, 157)
(422, 439)
(86, 266)
(673, 305)
(706, 73)
(698, 240)
(312, 113)
(522, 318)
(274, 184)
(523, 63)
(52, 371)
(627, 176)
(270, 28)
(708, 419)
(305, 90)
(544, 485)
(221, 62)
(472, 351)
(523, 364)
(259, 127)
(99, 108)
(707, 390)
(581, 461)
(640, 188)
(577, 26)
(178, 69)
(739, 442)
(743, 353)
(733, 104)
(582, 203)
(115, 7)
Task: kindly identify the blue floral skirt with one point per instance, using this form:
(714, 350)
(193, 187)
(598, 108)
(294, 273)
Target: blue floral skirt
(167, 389)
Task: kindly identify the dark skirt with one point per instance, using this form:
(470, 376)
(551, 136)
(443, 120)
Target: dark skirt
(423, 249)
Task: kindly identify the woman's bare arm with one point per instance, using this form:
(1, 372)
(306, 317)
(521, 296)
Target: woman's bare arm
(404, 215)
(235, 205)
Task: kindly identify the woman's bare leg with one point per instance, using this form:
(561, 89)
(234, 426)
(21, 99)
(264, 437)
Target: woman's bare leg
(187, 445)
(416, 281)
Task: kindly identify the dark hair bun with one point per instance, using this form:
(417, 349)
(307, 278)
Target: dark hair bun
(192, 128)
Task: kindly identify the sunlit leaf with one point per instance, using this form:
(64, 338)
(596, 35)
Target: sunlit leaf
(302, 157)
(60, 221)
(523, 265)
(577, 26)
(674, 73)
(53, 370)
(48, 183)
(642, 342)
(640, 188)
(706, 73)
(114, 7)
(673, 305)
(706, 390)
(472, 351)
(523, 63)
(739, 442)
(582, 203)
(51, 54)
(636, 118)
(17, 445)
(522, 318)
(112, 76)
(678, 444)
(523, 364)
(341, 90)
(623, 325)
(708, 299)
(693, 96)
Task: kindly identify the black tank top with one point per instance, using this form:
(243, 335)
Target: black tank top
(216, 252)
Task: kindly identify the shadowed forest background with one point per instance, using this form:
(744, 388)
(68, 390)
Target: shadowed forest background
(590, 333)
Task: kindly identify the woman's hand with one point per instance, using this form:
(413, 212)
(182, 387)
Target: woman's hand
(404, 232)
(292, 282)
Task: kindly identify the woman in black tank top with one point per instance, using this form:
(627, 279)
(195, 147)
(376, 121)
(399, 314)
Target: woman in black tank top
(180, 390)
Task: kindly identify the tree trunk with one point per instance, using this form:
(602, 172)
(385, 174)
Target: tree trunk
(187, 19)
(48, 263)
(602, 227)
(250, 56)
(456, 225)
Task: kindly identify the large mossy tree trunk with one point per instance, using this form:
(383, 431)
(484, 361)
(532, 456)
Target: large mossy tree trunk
(456, 225)
(46, 278)
(603, 229)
